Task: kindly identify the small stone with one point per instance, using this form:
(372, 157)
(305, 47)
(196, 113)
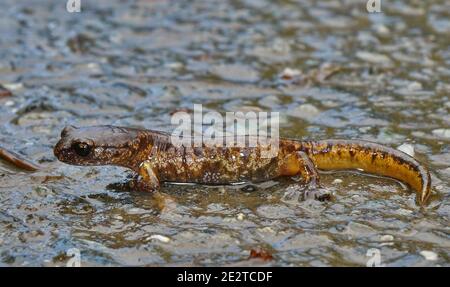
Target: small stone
(240, 216)
(42, 191)
(13, 86)
(407, 148)
(445, 171)
(404, 212)
(305, 111)
(280, 46)
(440, 187)
(387, 240)
(161, 238)
(387, 237)
(444, 133)
(382, 30)
(364, 129)
(429, 255)
(266, 229)
(337, 181)
(94, 67)
(9, 103)
(135, 210)
(237, 73)
(373, 58)
(355, 228)
(269, 101)
(289, 73)
(414, 86)
(175, 65)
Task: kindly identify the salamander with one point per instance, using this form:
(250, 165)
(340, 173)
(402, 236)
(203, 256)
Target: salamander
(153, 156)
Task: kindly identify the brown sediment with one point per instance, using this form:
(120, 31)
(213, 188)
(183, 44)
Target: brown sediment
(371, 158)
(17, 160)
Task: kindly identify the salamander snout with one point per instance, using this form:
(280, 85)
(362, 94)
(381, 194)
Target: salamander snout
(74, 150)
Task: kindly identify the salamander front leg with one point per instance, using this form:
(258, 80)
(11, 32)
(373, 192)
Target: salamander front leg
(311, 175)
(147, 179)
(299, 164)
(308, 170)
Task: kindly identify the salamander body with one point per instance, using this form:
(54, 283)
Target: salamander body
(156, 159)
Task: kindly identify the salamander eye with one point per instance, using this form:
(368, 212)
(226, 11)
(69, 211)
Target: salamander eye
(81, 148)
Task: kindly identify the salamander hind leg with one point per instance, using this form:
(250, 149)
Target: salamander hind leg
(299, 164)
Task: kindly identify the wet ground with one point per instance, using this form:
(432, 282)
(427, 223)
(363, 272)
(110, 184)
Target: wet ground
(330, 68)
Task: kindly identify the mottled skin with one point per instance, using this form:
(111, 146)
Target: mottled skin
(152, 155)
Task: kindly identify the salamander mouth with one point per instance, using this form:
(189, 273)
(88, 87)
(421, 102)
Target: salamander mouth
(62, 153)
(57, 150)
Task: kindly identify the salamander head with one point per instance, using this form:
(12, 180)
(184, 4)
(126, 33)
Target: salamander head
(97, 145)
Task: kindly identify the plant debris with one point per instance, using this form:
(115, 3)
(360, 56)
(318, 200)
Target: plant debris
(17, 160)
(261, 254)
(4, 92)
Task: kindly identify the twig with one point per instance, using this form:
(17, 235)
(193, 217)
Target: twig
(17, 160)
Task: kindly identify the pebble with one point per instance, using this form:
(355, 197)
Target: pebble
(337, 181)
(304, 111)
(387, 237)
(161, 238)
(94, 67)
(174, 65)
(373, 58)
(414, 86)
(240, 216)
(387, 240)
(289, 73)
(280, 46)
(429, 255)
(135, 210)
(43, 191)
(9, 103)
(444, 133)
(444, 171)
(382, 30)
(404, 212)
(238, 73)
(358, 229)
(266, 229)
(407, 148)
(269, 101)
(13, 86)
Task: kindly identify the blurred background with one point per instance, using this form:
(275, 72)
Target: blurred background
(332, 70)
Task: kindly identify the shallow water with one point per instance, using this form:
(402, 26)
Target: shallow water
(134, 63)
